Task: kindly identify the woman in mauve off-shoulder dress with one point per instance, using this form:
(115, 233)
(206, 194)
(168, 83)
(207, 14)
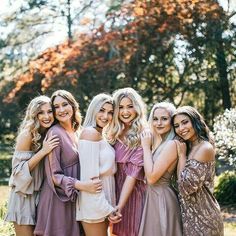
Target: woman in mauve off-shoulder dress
(27, 170)
(127, 125)
(161, 213)
(56, 210)
(196, 171)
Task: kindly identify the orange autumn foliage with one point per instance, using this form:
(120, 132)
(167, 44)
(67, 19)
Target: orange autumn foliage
(141, 23)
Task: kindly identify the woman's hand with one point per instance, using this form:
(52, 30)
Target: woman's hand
(92, 186)
(49, 143)
(181, 149)
(146, 138)
(115, 216)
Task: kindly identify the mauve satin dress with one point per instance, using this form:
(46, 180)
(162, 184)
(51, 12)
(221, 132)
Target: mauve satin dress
(161, 213)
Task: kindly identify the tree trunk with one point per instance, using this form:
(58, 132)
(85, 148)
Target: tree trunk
(69, 21)
(222, 69)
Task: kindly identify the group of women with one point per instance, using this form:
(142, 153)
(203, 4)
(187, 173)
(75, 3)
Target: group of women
(116, 169)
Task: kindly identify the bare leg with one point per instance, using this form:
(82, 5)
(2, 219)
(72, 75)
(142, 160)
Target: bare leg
(95, 229)
(110, 230)
(24, 230)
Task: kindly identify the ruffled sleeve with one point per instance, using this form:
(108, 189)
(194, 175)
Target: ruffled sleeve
(62, 185)
(91, 206)
(21, 178)
(192, 177)
(134, 165)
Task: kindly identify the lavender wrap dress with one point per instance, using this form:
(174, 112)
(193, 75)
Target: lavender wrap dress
(56, 209)
(200, 210)
(161, 213)
(129, 163)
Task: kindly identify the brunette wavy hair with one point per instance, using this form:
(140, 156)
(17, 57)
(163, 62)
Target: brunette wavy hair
(76, 117)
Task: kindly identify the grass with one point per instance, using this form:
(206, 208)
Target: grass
(6, 229)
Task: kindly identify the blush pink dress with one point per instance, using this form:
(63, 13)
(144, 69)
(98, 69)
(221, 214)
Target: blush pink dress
(129, 163)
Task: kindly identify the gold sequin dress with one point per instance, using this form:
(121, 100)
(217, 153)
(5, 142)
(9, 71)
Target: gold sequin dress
(200, 210)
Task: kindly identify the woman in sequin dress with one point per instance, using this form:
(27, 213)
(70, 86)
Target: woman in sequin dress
(196, 171)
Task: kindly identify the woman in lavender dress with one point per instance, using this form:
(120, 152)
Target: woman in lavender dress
(27, 169)
(127, 125)
(56, 210)
(196, 171)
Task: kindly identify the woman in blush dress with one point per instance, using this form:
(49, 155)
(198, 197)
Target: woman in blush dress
(97, 158)
(196, 171)
(161, 213)
(57, 208)
(27, 169)
(128, 122)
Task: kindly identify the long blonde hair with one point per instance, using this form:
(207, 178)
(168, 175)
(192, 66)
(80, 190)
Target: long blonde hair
(31, 122)
(132, 138)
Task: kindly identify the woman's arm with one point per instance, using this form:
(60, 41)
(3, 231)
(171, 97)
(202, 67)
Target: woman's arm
(168, 156)
(181, 151)
(24, 143)
(126, 191)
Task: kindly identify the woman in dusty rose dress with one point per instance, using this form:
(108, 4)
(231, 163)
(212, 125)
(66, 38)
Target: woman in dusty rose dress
(27, 169)
(97, 158)
(161, 213)
(56, 210)
(196, 171)
(127, 125)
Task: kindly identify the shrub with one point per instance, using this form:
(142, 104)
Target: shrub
(225, 191)
(225, 137)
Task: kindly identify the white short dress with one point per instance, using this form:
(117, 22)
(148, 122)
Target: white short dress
(25, 187)
(97, 158)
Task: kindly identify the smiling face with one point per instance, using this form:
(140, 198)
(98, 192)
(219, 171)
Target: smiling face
(127, 112)
(104, 115)
(184, 128)
(63, 109)
(45, 115)
(161, 121)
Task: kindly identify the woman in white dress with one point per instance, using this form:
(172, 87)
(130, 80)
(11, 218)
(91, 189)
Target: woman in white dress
(97, 160)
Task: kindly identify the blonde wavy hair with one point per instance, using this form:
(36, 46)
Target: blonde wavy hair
(31, 122)
(76, 117)
(132, 138)
(170, 108)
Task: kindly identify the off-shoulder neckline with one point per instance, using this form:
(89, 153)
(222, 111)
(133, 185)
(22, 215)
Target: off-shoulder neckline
(91, 141)
(200, 162)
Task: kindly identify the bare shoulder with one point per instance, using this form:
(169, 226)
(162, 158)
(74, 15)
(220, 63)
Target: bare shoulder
(24, 141)
(170, 148)
(205, 153)
(90, 134)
